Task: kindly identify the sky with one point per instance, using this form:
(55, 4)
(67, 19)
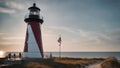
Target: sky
(84, 25)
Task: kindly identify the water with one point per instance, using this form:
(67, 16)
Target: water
(85, 54)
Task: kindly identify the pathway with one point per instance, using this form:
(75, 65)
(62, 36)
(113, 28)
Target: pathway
(96, 65)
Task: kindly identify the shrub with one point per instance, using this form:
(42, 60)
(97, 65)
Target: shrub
(110, 62)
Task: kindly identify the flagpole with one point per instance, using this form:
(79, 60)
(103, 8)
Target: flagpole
(59, 50)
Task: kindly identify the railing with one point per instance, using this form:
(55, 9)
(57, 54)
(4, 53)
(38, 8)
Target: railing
(33, 16)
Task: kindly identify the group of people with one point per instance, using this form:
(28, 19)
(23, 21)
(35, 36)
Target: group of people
(14, 56)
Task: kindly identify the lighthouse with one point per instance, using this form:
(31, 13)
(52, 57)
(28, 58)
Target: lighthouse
(33, 41)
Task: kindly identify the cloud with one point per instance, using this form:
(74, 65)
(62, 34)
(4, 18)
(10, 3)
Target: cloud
(87, 37)
(11, 46)
(11, 6)
(2, 34)
(5, 10)
(11, 43)
(15, 4)
(93, 35)
(8, 43)
(62, 28)
(6, 39)
(13, 38)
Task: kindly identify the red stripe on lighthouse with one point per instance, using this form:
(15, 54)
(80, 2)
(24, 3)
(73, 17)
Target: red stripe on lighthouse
(26, 44)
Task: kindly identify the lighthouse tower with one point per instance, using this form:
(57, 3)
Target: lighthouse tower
(33, 41)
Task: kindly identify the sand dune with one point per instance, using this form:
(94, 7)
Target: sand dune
(110, 62)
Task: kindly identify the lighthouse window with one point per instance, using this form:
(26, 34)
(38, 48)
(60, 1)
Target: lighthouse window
(34, 13)
(31, 13)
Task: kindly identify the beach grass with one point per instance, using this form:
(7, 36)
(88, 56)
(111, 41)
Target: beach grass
(80, 61)
(65, 62)
(57, 63)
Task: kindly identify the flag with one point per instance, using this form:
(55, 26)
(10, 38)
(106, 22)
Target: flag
(59, 40)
